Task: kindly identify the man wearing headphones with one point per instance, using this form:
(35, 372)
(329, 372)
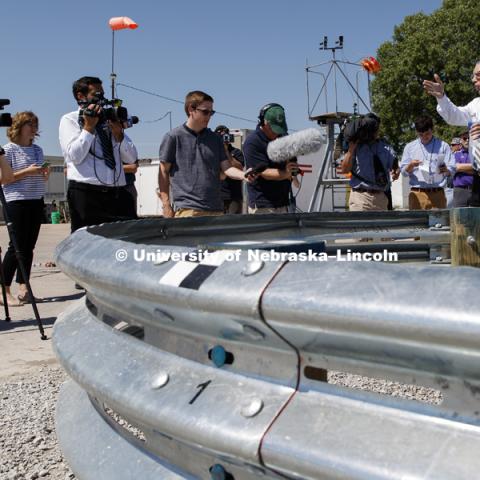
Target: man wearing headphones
(269, 193)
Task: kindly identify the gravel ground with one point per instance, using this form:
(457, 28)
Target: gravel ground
(28, 444)
(395, 389)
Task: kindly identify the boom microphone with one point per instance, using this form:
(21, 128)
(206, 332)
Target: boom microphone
(299, 143)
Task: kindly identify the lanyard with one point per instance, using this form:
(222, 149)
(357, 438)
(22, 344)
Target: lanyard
(431, 168)
(423, 148)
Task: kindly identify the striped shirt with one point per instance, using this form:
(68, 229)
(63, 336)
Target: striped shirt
(28, 188)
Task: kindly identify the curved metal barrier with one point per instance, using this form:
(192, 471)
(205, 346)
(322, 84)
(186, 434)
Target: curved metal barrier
(223, 364)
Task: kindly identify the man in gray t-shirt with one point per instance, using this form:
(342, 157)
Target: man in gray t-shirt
(191, 159)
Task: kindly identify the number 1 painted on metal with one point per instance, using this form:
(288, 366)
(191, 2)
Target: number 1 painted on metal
(202, 387)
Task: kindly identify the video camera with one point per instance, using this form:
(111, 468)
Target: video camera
(224, 133)
(111, 110)
(361, 128)
(228, 138)
(297, 171)
(5, 118)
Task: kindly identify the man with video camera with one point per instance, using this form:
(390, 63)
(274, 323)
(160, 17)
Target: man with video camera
(95, 147)
(369, 159)
(231, 190)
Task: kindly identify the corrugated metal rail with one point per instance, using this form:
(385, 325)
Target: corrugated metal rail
(219, 369)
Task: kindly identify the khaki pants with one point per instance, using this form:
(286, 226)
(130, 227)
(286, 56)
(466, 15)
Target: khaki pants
(263, 211)
(190, 212)
(365, 201)
(426, 200)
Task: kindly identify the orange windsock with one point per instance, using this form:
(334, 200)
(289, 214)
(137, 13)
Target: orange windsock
(375, 65)
(120, 23)
(371, 65)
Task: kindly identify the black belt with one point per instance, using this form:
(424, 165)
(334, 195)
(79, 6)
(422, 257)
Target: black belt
(435, 189)
(367, 190)
(465, 187)
(92, 188)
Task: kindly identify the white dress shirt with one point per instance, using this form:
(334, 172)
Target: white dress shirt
(77, 147)
(454, 115)
(427, 175)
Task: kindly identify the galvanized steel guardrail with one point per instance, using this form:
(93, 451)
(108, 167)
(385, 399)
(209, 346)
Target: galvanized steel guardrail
(221, 367)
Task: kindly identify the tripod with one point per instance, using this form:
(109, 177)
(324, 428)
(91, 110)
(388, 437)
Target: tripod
(21, 266)
(4, 291)
(292, 201)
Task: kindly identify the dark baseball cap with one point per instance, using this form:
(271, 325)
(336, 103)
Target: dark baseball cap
(275, 116)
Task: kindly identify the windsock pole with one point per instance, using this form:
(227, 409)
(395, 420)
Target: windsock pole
(369, 90)
(118, 23)
(113, 75)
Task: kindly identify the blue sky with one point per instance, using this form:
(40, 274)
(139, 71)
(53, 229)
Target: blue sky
(244, 54)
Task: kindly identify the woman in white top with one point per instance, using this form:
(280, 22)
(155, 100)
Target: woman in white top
(24, 195)
(6, 175)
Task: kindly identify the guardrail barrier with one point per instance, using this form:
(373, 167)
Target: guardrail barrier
(207, 348)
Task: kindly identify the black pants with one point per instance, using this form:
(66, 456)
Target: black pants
(26, 217)
(94, 204)
(461, 197)
(388, 193)
(475, 198)
(132, 191)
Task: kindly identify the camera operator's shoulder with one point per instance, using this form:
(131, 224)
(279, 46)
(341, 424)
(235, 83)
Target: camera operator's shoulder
(69, 118)
(385, 145)
(71, 115)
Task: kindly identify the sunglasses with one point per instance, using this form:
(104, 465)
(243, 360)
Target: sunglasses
(31, 123)
(206, 112)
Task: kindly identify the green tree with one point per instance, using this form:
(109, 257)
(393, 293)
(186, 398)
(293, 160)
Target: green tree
(446, 42)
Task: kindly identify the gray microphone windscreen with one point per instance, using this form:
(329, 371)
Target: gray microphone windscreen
(296, 144)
